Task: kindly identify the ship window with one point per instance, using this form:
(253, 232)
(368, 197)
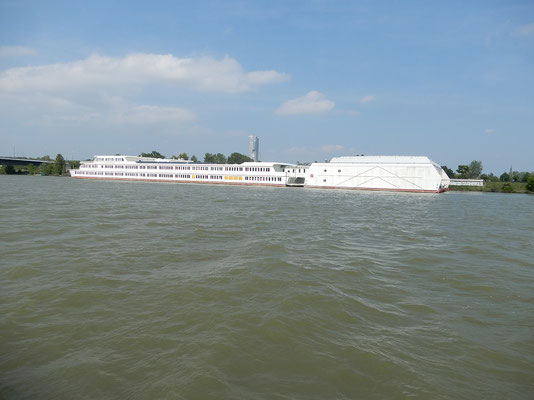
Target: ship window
(338, 170)
(325, 170)
(324, 180)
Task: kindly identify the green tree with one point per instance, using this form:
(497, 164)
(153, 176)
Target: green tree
(463, 171)
(47, 169)
(32, 169)
(238, 158)
(9, 170)
(220, 158)
(475, 169)
(210, 158)
(530, 183)
(154, 154)
(74, 164)
(194, 158)
(505, 177)
(46, 158)
(59, 165)
(183, 156)
(489, 178)
(450, 173)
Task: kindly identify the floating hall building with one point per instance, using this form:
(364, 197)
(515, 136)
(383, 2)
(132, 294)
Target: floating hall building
(395, 173)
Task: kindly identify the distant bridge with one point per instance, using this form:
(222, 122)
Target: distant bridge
(22, 161)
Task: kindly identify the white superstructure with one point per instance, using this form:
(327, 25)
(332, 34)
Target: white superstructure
(396, 173)
(171, 170)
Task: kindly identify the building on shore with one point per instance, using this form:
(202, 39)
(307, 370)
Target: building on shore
(254, 148)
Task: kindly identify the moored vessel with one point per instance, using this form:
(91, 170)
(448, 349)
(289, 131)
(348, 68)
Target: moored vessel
(133, 168)
(392, 173)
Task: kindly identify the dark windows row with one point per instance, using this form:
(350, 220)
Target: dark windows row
(264, 178)
(258, 169)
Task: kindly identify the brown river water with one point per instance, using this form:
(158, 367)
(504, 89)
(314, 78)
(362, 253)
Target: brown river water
(131, 290)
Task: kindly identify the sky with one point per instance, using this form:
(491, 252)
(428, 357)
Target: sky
(450, 80)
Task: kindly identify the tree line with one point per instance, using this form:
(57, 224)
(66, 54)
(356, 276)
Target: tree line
(474, 171)
(219, 158)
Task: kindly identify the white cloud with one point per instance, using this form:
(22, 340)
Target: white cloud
(311, 103)
(135, 71)
(489, 131)
(367, 99)
(105, 111)
(525, 30)
(16, 51)
(108, 92)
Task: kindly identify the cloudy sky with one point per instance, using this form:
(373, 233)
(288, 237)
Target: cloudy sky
(313, 79)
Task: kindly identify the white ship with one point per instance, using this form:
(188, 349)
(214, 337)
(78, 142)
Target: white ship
(394, 173)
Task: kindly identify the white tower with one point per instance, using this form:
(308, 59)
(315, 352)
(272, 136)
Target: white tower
(253, 147)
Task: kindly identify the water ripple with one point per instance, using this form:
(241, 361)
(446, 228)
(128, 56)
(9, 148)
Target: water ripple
(135, 290)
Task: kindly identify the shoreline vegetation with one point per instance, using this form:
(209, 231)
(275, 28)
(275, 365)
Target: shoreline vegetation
(507, 182)
(494, 187)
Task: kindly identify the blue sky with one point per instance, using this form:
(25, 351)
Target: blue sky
(313, 79)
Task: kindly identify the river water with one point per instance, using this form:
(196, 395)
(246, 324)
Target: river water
(123, 290)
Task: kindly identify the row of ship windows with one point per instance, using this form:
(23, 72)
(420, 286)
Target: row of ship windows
(258, 169)
(264, 178)
(186, 176)
(183, 168)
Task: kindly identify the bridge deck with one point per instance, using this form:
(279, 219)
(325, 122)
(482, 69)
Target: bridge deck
(22, 161)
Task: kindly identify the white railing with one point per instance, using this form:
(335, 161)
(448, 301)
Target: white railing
(466, 182)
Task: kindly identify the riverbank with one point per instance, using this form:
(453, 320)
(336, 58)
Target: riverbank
(494, 187)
